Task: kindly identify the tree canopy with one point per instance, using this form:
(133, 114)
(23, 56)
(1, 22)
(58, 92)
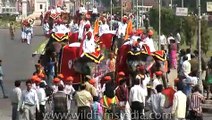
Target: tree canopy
(170, 23)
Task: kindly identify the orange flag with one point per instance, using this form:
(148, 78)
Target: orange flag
(96, 27)
(129, 29)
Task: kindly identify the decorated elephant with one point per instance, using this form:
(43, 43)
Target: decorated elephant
(128, 59)
(161, 64)
(72, 63)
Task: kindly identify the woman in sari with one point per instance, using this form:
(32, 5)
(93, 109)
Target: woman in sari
(173, 53)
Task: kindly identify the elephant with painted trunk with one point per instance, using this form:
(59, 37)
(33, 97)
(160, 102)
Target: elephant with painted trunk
(128, 61)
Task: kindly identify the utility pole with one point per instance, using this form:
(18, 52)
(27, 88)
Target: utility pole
(182, 4)
(199, 46)
(137, 14)
(121, 10)
(142, 9)
(159, 31)
(111, 12)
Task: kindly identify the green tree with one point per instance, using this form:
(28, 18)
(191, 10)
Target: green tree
(169, 22)
(192, 5)
(189, 29)
(205, 41)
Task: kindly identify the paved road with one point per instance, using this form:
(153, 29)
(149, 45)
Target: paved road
(19, 64)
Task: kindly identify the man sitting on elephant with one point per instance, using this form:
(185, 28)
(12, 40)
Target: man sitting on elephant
(89, 44)
(136, 44)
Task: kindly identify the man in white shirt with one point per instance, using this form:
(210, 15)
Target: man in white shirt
(157, 102)
(189, 82)
(163, 42)
(30, 102)
(69, 90)
(103, 28)
(178, 38)
(122, 28)
(82, 26)
(60, 28)
(170, 38)
(179, 103)
(95, 10)
(145, 79)
(46, 27)
(15, 98)
(137, 99)
(89, 44)
(82, 9)
(157, 80)
(42, 100)
(149, 41)
(188, 53)
(186, 66)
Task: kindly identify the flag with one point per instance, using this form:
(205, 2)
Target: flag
(40, 50)
(96, 27)
(128, 30)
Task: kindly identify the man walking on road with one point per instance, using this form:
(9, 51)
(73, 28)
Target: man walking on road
(15, 97)
(30, 102)
(1, 80)
(12, 30)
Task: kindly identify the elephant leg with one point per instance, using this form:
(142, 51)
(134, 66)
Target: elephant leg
(113, 46)
(164, 81)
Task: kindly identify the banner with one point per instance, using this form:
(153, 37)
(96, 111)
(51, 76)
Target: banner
(209, 6)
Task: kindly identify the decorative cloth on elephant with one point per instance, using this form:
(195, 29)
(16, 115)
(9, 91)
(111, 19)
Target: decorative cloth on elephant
(68, 55)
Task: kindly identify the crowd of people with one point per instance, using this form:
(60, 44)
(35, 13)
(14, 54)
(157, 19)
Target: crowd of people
(110, 97)
(108, 100)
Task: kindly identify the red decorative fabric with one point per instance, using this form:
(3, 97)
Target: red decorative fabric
(66, 65)
(106, 39)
